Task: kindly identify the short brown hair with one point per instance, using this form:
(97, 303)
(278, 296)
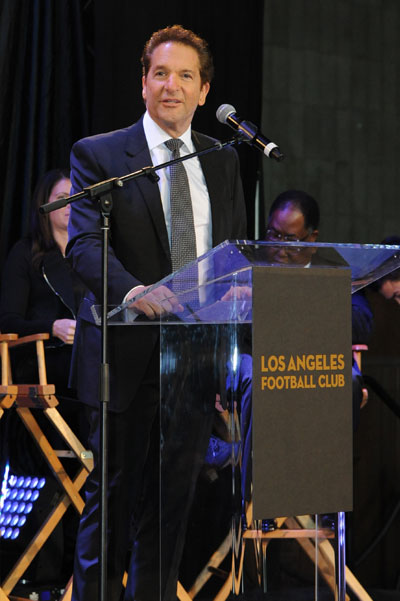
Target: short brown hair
(176, 33)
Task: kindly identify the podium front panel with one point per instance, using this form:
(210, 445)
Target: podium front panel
(302, 393)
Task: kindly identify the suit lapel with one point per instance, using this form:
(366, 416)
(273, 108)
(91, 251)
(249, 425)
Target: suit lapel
(138, 156)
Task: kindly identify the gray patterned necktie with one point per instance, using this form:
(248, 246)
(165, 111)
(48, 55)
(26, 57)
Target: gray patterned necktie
(183, 238)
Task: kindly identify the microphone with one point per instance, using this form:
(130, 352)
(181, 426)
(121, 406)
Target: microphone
(226, 113)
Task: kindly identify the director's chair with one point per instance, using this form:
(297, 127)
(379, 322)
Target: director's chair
(42, 396)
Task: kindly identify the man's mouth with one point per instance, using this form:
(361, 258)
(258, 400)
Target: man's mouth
(171, 101)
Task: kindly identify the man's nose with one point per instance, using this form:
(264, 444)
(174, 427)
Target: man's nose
(172, 81)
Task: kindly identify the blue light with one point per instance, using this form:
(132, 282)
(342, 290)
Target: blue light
(4, 487)
(17, 495)
(28, 508)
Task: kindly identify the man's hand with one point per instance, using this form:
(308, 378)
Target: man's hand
(155, 303)
(237, 292)
(64, 329)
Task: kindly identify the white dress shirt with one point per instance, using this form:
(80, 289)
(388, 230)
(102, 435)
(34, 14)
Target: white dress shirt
(159, 153)
(155, 137)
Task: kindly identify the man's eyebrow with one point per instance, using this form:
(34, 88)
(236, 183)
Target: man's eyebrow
(184, 70)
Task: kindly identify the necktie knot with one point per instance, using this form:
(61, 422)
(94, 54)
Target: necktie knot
(174, 144)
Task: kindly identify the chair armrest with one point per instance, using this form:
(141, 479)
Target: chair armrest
(8, 337)
(27, 339)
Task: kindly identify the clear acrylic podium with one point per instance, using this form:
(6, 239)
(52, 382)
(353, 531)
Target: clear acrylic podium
(261, 336)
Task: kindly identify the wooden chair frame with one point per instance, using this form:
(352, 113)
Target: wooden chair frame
(41, 395)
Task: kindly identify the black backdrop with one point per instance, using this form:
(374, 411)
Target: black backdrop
(71, 68)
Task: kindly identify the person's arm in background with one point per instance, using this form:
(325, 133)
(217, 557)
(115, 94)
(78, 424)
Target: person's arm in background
(362, 318)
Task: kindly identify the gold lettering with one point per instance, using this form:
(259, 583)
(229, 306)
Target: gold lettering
(310, 362)
(318, 362)
(301, 362)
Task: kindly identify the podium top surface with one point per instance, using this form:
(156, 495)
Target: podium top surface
(204, 283)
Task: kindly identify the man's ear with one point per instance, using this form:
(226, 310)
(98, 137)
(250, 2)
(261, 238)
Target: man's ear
(144, 87)
(203, 93)
(313, 236)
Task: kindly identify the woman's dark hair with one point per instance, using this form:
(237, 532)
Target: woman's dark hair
(394, 275)
(41, 233)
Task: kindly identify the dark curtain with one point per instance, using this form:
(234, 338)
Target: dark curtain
(43, 100)
(72, 67)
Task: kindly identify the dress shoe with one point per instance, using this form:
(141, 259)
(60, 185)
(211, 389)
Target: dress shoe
(219, 453)
(268, 525)
(328, 520)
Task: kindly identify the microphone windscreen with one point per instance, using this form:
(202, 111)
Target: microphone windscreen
(224, 111)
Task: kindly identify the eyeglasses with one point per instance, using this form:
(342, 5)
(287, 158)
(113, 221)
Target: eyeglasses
(273, 234)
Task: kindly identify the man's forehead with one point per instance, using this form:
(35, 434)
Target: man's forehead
(167, 51)
(287, 218)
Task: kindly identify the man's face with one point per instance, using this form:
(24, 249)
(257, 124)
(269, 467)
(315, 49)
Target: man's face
(390, 289)
(285, 225)
(172, 88)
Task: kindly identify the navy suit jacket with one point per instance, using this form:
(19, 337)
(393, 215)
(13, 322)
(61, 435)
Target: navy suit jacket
(139, 250)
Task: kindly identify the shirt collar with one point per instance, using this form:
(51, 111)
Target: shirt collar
(156, 136)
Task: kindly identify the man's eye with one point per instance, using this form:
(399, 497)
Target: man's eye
(187, 76)
(159, 73)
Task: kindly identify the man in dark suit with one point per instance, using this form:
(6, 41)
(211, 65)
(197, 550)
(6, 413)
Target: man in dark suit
(177, 70)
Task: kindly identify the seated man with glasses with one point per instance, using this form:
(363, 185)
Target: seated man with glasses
(293, 217)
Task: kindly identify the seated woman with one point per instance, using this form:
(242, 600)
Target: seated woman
(40, 293)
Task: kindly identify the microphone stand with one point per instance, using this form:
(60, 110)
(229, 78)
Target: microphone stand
(102, 193)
